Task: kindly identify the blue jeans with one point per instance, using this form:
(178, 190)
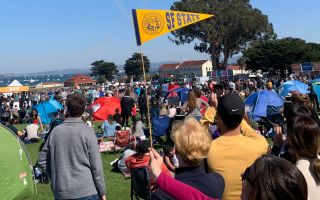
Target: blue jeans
(93, 197)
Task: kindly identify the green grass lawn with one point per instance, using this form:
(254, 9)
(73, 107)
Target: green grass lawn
(117, 187)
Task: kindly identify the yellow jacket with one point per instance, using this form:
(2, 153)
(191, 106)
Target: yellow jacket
(231, 155)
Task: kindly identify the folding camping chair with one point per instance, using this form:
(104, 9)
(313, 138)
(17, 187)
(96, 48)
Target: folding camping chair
(121, 139)
(160, 125)
(140, 183)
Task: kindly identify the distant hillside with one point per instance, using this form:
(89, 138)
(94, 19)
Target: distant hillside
(63, 72)
(70, 71)
(153, 66)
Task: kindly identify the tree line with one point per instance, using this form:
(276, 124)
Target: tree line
(106, 71)
(237, 28)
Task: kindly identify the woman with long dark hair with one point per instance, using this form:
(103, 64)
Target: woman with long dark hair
(272, 178)
(304, 141)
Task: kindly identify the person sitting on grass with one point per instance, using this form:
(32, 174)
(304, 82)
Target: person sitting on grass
(121, 163)
(31, 133)
(109, 127)
(142, 158)
(117, 116)
(137, 129)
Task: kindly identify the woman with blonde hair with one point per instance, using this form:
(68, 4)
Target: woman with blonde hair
(192, 144)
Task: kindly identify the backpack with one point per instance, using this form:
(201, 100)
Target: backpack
(53, 124)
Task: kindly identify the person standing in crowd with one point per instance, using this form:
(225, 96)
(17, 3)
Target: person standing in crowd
(35, 119)
(143, 105)
(64, 95)
(127, 104)
(71, 157)
(237, 147)
(192, 144)
(193, 105)
(304, 141)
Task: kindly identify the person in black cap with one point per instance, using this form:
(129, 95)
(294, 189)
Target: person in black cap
(237, 147)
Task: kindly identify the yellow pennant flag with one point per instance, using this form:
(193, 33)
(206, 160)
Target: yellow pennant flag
(150, 24)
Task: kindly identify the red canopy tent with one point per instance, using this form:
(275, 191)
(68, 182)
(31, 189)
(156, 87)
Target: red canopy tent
(105, 106)
(171, 89)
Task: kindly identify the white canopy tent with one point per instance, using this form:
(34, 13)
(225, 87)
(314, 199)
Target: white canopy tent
(15, 83)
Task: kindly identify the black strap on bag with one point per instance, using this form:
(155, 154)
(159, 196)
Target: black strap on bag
(206, 167)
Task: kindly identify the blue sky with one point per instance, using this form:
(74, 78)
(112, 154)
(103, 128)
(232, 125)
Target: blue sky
(40, 35)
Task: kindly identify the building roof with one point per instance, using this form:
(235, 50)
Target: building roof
(193, 63)
(170, 66)
(81, 78)
(233, 67)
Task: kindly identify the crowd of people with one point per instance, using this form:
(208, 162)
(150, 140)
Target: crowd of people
(212, 150)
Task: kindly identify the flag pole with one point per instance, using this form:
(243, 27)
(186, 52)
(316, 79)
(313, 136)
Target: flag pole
(148, 107)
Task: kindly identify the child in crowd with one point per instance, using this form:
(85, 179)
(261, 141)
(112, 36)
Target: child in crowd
(117, 116)
(168, 157)
(142, 159)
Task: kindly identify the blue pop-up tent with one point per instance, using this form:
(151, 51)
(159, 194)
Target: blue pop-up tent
(47, 109)
(316, 89)
(258, 102)
(291, 86)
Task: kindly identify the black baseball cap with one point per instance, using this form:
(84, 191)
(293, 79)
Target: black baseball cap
(231, 109)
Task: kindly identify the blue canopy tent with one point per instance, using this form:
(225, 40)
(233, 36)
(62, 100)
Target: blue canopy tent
(317, 80)
(316, 89)
(291, 86)
(258, 102)
(182, 94)
(47, 109)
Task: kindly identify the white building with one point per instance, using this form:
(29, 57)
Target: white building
(193, 69)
